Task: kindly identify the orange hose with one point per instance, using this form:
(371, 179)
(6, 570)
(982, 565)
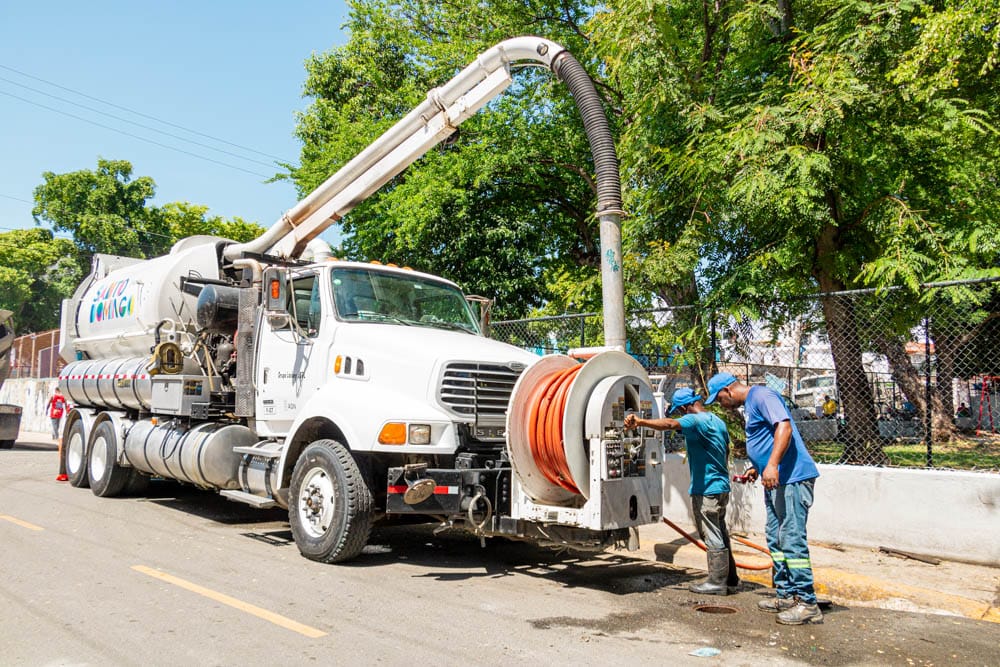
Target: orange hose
(701, 545)
(545, 420)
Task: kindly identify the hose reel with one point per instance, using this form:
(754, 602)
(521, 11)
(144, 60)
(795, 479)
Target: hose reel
(548, 436)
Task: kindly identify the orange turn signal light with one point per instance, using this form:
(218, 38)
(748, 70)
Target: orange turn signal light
(393, 433)
(337, 364)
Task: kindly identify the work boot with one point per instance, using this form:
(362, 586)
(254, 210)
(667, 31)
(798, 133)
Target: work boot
(718, 573)
(801, 613)
(733, 581)
(774, 605)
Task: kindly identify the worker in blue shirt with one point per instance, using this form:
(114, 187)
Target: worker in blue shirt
(707, 441)
(778, 454)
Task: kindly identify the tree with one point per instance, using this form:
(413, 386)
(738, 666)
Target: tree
(804, 139)
(105, 210)
(37, 271)
(184, 219)
(507, 205)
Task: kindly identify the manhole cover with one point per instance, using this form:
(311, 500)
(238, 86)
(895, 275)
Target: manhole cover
(715, 609)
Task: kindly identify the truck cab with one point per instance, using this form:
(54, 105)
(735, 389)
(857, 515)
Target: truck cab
(383, 359)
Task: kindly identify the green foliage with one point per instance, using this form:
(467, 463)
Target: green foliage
(826, 153)
(105, 210)
(184, 219)
(37, 271)
(506, 207)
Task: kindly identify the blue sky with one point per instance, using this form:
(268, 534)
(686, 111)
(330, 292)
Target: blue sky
(229, 70)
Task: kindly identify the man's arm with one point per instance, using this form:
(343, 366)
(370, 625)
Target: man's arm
(665, 424)
(782, 436)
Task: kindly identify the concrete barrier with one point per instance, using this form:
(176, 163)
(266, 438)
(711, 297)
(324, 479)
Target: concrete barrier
(950, 514)
(32, 395)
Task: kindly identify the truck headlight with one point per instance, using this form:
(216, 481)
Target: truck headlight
(420, 434)
(398, 433)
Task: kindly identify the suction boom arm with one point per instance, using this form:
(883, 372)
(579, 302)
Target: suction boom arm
(432, 122)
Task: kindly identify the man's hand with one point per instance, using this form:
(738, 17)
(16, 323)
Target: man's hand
(770, 476)
(631, 421)
(751, 474)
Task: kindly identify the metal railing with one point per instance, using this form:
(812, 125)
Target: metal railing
(36, 355)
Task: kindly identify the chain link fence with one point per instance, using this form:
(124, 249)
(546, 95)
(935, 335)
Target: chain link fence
(870, 377)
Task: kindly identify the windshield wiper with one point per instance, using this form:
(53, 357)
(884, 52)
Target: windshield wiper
(382, 317)
(451, 326)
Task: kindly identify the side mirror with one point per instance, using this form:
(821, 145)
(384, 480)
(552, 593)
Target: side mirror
(481, 306)
(275, 285)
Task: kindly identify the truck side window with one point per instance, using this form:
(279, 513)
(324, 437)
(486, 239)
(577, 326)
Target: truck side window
(304, 304)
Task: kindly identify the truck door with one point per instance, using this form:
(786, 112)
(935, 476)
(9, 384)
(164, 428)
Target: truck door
(292, 356)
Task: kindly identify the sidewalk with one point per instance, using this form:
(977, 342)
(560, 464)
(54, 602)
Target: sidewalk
(36, 440)
(854, 576)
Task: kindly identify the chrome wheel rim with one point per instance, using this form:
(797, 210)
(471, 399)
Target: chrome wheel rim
(99, 458)
(316, 502)
(74, 452)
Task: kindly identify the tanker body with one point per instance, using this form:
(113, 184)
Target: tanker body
(346, 391)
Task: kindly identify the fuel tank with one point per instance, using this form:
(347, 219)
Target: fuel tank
(201, 455)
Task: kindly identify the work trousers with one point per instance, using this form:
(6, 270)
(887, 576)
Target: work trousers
(55, 427)
(710, 520)
(787, 512)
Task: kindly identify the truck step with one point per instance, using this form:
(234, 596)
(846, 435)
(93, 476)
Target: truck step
(265, 450)
(250, 499)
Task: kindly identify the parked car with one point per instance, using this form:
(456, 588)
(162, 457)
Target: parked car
(812, 389)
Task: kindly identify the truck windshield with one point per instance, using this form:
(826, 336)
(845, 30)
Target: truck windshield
(366, 295)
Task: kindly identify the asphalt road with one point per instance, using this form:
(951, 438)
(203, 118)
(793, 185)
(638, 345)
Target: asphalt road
(182, 576)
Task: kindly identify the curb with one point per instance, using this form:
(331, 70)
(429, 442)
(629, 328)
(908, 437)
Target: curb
(839, 585)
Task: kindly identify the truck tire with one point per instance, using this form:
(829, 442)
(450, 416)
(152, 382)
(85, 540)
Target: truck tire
(76, 455)
(330, 506)
(107, 478)
(6, 444)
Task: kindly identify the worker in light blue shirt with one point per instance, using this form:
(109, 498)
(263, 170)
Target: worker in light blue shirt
(778, 455)
(707, 441)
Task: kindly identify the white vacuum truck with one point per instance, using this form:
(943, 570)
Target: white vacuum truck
(350, 392)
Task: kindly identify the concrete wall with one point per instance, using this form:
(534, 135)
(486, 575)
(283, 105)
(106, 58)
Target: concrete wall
(949, 514)
(32, 395)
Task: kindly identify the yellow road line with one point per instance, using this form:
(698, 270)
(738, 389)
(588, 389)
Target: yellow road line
(22, 524)
(277, 619)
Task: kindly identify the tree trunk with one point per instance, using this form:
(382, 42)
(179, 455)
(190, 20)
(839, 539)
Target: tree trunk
(913, 384)
(860, 434)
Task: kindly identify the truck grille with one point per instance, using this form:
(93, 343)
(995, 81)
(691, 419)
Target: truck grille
(479, 390)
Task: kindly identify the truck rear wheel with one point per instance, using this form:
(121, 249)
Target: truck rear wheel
(107, 478)
(76, 455)
(330, 506)
(137, 483)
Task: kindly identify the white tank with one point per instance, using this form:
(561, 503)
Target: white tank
(118, 314)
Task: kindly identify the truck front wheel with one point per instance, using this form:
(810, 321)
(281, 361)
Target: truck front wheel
(330, 506)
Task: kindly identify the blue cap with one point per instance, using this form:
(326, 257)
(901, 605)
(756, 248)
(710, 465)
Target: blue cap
(682, 397)
(717, 382)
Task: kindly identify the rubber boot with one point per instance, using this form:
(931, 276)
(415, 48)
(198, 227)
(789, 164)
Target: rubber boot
(718, 573)
(733, 581)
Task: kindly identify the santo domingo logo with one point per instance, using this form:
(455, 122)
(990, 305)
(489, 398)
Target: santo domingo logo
(112, 301)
